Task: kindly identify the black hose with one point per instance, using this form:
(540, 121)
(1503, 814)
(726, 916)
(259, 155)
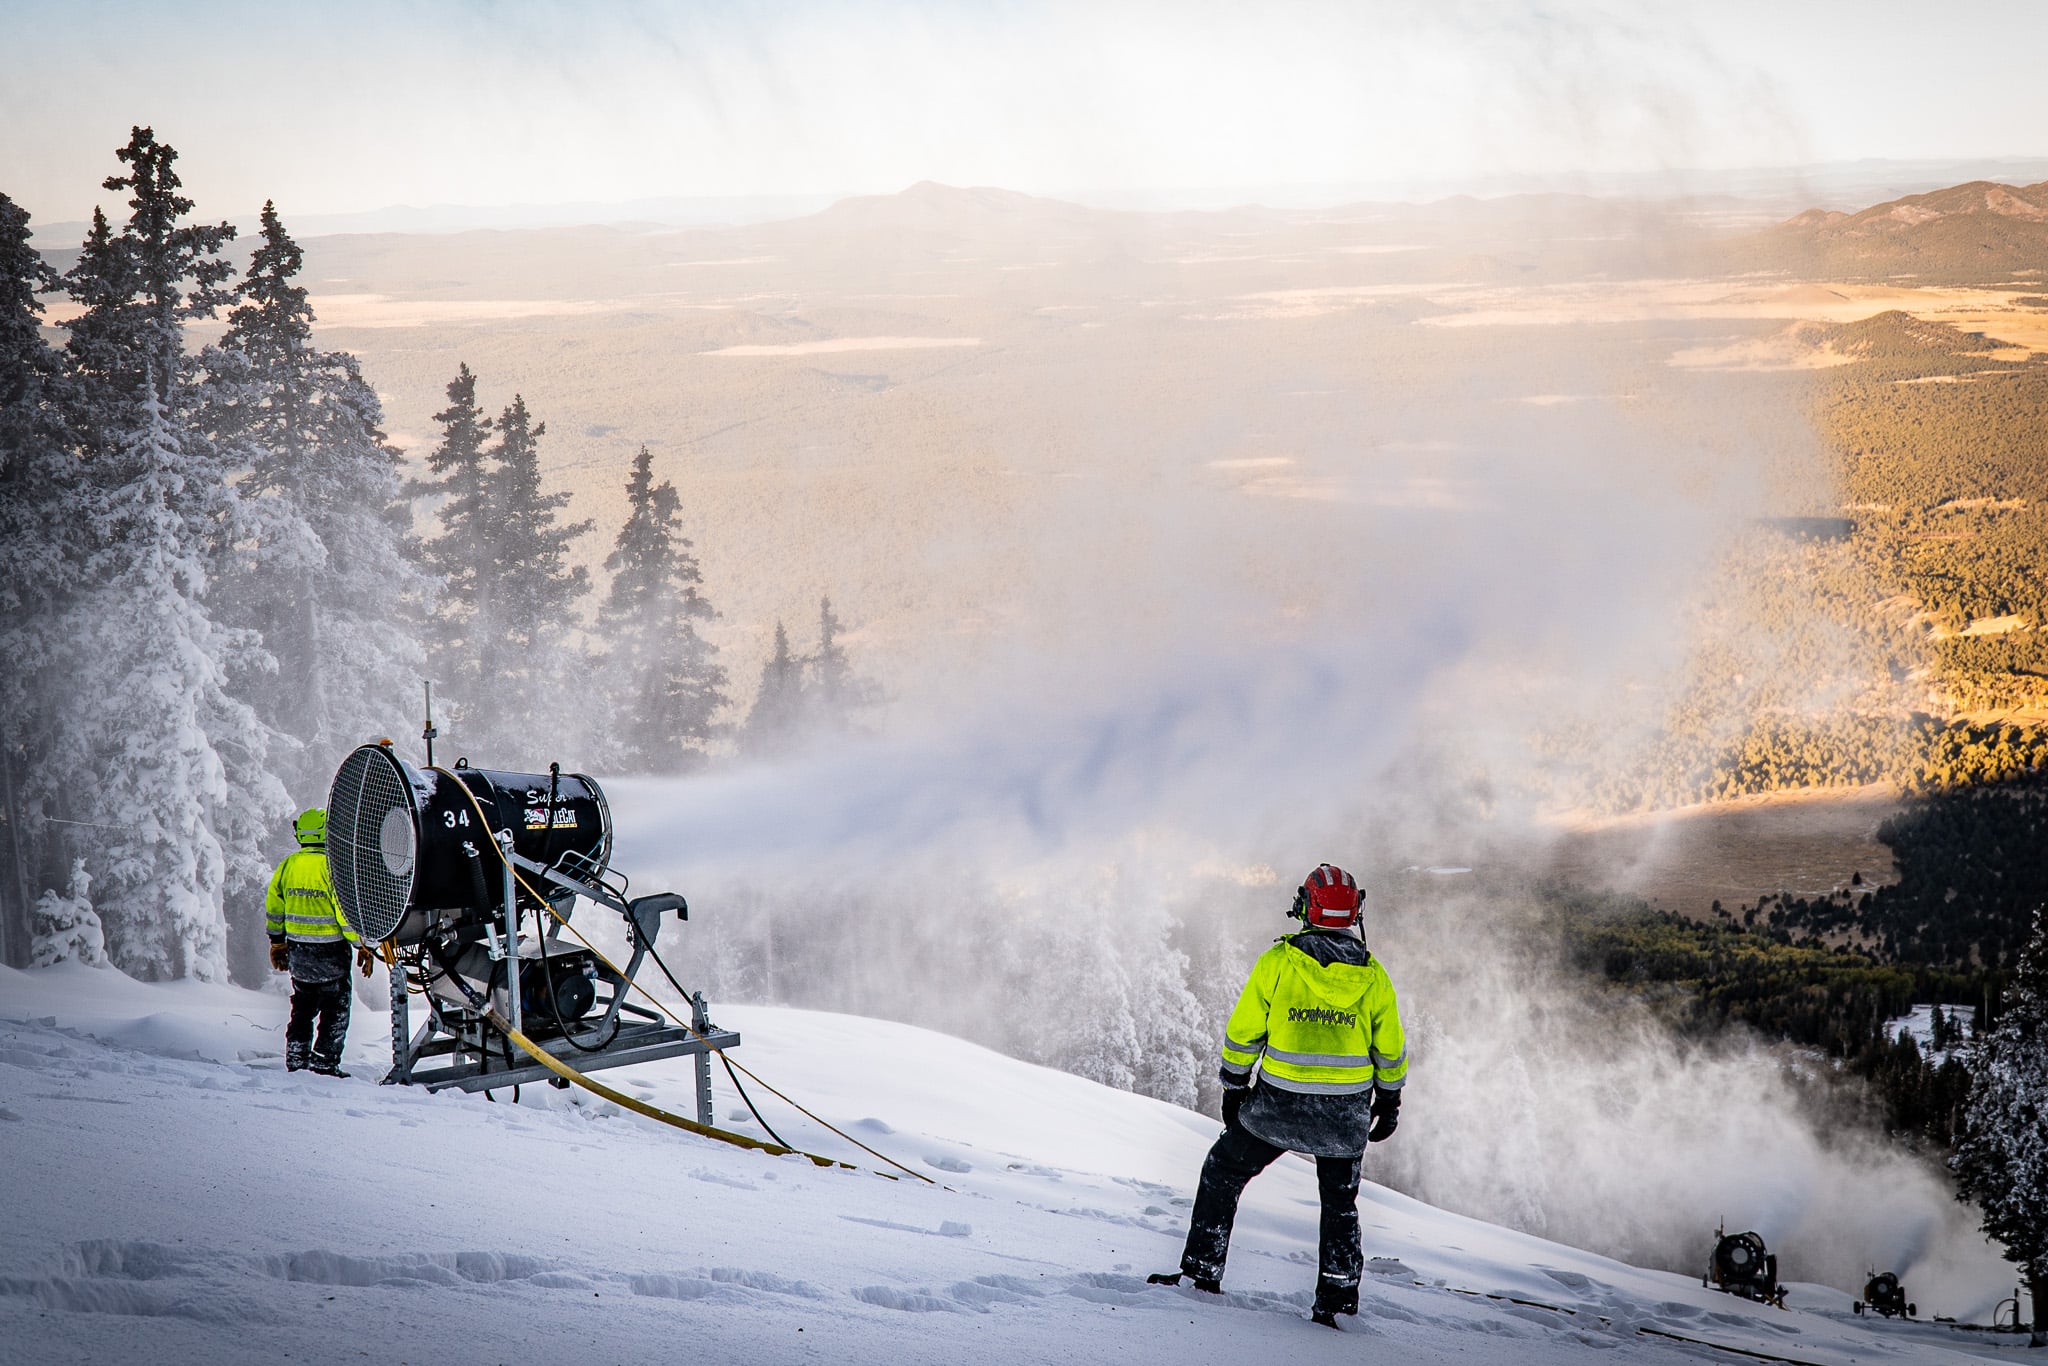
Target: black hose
(547, 974)
(723, 1060)
(727, 1064)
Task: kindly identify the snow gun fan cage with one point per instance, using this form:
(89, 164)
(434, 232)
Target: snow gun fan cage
(1741, 1265)
(448, 866)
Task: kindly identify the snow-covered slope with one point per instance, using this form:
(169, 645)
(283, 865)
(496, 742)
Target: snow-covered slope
(172, 1195)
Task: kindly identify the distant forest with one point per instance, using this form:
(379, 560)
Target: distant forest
(211, 587)
(1940, 450)
(1902, 641)
(1835, 1001)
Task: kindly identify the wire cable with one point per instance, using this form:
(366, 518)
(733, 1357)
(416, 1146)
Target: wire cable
(721, 1055)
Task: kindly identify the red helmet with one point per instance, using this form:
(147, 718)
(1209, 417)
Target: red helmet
(1328, 899)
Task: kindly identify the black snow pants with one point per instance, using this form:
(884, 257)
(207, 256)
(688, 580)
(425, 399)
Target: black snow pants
(1239, 1156)
(328, 1003)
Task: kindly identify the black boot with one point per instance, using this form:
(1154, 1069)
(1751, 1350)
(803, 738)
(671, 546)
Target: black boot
(1201, 1283)
(328, 1067)
(1332, 1300)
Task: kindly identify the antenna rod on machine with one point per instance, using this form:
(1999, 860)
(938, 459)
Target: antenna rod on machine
(429, 733)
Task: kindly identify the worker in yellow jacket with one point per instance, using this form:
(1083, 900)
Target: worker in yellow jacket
(1318, 1022)
(310, 939)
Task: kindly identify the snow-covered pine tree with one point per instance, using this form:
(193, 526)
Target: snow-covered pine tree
(536, 671)
(1142, 1030)
(775, 721)
(328, 576)
(67, 929)
(665, 683)
(1174, 1044)
(40, 548)
(148, 712)
(2002, 1161)
(103, 358)
(168, 255)
(177, 768)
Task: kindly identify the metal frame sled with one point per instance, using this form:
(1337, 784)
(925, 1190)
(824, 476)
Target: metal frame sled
(460, 1046)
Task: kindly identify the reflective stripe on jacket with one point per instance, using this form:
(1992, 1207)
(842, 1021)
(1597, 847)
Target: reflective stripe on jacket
(300, 904)
(1316, 1027)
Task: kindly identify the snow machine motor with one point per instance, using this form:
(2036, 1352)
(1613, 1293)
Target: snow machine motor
(1882, 1294)
(448, 866)
(1742, 1266)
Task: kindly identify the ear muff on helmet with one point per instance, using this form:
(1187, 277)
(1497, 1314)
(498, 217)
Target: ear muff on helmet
(1328, 899)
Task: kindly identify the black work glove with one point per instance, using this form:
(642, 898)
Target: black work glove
(1233, 1100)
(1386, 1116)
(365, 959)
(280, 956)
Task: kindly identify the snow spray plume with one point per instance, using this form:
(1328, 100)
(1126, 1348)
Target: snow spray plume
(1561, 1109)
(1078, 864)
(1196, 698)
(1073, 851)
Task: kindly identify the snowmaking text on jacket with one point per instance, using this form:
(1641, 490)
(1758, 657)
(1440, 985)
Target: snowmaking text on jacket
(300, 908)
(1318, 1019)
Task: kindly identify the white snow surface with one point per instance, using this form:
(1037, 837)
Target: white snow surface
(1919, 1022)
(172, 1195)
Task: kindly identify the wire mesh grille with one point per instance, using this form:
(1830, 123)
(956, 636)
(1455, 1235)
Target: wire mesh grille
(372, 846)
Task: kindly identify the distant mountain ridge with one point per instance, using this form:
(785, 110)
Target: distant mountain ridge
(1979, 232)
(2029, 202)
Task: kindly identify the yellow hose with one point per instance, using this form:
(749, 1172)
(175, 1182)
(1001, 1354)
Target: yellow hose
(556, 1065)
(641, 1107)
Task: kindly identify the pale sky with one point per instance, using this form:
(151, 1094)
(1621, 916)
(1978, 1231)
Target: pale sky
(352, 106)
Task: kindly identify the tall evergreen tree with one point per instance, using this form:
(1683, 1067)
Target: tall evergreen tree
(2002, 1161)
(152, 720)
(103, 351)
(834, 692)
(505, 645)
(181, 788)
(41, 481)
(803, 697)
(831, 673)
(178, 265)
(137, 290)
(459, 558)
(327, 575)
(775, 721)
(540, 589)
(536, 668)
(665, 680)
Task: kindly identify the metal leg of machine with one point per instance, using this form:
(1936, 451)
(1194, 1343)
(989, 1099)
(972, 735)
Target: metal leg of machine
(401, 1024)
(701, 1022)
(408, 851)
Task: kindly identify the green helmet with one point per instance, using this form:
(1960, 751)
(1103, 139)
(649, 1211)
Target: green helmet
(311, 826)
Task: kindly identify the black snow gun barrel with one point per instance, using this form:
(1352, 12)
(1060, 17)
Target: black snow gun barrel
(1741, 1265)
(406, 846)
(471, 875)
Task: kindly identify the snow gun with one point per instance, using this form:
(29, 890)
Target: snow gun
(469, 878)
(1741, 1265)
(1883, 1295)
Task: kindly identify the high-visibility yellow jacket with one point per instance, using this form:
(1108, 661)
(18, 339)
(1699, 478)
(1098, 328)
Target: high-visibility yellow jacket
(1316, 1024)
(300, 905)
